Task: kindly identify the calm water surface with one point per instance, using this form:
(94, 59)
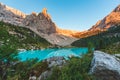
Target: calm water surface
(47, 53)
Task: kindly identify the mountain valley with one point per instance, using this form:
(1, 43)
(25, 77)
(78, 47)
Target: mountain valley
(43, 25)
(59, 54)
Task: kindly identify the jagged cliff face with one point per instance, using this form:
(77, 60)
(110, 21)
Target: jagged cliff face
(41, 24)
(10, 15)
(110, 20)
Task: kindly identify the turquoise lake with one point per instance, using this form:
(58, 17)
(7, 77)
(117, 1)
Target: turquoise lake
(47, 53)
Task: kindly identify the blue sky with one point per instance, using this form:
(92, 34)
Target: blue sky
(68, 14)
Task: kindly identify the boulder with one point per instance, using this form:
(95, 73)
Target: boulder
(52, 62)
(45, 75)
(105, 66)
(33, 78)
(55, 61)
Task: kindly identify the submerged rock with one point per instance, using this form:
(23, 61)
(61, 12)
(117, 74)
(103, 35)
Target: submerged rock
(105, 66)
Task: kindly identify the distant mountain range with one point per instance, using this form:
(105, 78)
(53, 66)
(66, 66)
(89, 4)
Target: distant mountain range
(110, 20)
(103, 34)
(42, 24)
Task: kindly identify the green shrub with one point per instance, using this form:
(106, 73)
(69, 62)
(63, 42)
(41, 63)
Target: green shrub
(76, 69)
(22, 37)
(24, 69)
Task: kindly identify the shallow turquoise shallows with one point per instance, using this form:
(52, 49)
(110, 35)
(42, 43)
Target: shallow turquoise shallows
(47, 53)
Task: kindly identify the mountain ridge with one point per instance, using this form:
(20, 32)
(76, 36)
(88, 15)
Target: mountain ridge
(41, 23)
(104, 24)
(15, 11)
(110, 20)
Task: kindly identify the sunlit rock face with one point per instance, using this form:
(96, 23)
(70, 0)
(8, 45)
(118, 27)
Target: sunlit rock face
(110, 20)
(44, 12)
(102, 25)
(66, 32)
(11, 15)
(41, 23)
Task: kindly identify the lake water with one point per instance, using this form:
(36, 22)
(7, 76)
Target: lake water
(47, 53)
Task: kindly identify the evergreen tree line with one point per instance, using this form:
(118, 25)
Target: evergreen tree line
(101, 40)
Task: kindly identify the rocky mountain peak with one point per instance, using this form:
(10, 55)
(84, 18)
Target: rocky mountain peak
(117, 9)
(11, 15)
(44, 12)
(110, 20)
(34, 13)
(14, 11)
(41, 24)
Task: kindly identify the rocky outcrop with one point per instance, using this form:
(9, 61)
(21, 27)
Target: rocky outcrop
(11, 15)
(55, 61)
(59, 39)
(105, 66)
(52, 62)
(44, 12)
(41, 24)
(110, 20)
(45, 75)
